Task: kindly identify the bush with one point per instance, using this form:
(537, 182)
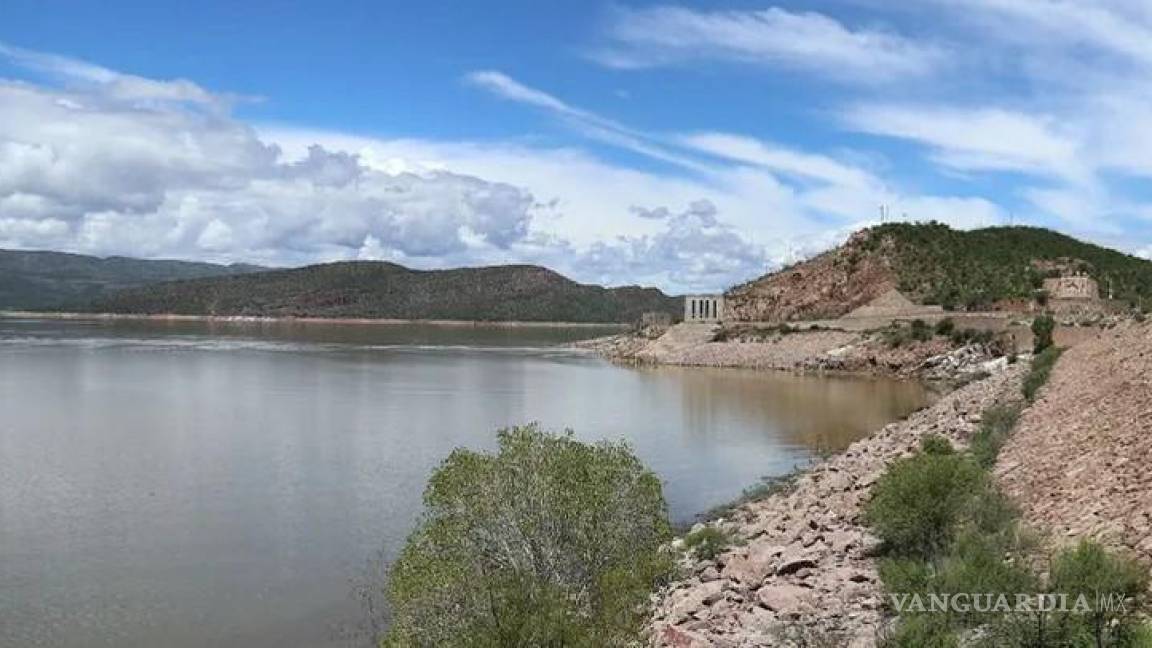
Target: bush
(548, 541)
(935, 444)
(945, 326)
(917, 505)
(1042, 328)
(709, 542)
(920, 331)
(1088, 570)
(995, 426)
(1042, 365)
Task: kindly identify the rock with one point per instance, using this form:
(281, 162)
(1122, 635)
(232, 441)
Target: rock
(783, 599)
(793, 561)
(694, 600)
(752, 569)
(678, 638)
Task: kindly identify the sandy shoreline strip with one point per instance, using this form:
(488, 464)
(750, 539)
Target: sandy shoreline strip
(253, 319)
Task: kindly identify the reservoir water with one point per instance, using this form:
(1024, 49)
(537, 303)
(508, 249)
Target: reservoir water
(221, 484)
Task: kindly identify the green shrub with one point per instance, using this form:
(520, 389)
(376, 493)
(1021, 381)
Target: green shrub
(1088, 570)
(945, 326)
(995, 426)
(935, 444)
(976, 563)
(549, 541)
(1041, 369)
(1042, 328)
(709, 542)
(920, 331)
(917, 505)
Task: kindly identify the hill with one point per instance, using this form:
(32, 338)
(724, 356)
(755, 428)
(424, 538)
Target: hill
(932, 263)
(371, 289)
(32, 280)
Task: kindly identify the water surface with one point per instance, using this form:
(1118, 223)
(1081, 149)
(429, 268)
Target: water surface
(191, 484)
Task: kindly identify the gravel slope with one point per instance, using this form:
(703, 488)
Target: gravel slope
(1080, 462)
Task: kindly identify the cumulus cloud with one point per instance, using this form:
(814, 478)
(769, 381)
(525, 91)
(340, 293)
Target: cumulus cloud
(100, 173)
(694, 249)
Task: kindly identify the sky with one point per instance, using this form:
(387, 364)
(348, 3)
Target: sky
(685, 146)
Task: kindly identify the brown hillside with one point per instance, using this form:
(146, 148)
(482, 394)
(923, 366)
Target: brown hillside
(824, 287)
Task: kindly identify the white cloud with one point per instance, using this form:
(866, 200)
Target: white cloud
(175, 181)
(795, 163)
(809, 41)
(589, 123)
(119, 86)
(977, 139)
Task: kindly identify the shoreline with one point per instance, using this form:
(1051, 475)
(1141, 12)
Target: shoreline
(821, 352)
(264, 319)
(802, 564)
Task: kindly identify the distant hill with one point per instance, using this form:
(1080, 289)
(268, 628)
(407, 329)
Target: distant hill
(932, 263)
(56, 280)
(370, 289)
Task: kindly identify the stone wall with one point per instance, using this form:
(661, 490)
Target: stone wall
(1076, 287)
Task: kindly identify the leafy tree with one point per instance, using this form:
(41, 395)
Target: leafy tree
(547, 542)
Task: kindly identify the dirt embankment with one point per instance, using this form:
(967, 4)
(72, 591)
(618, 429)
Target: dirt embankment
(802, 572)
(1080, 461)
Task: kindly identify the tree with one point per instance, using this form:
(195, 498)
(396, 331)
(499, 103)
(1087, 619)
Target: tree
(547, 542)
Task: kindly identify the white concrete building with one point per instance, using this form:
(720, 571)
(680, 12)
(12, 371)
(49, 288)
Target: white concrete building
(703, 308)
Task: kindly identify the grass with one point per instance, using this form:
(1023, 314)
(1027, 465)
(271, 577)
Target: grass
(766, 487)
(1041, 370)
(996, 424)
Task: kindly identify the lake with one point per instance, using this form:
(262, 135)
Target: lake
(191, 483)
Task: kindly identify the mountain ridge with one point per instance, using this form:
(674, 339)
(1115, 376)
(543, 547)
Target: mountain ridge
(386, 290)
(49, 280)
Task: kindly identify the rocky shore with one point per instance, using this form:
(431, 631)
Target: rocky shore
(694, 345)
(801, 571)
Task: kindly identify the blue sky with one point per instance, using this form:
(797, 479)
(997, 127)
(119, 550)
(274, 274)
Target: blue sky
(687, 146)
